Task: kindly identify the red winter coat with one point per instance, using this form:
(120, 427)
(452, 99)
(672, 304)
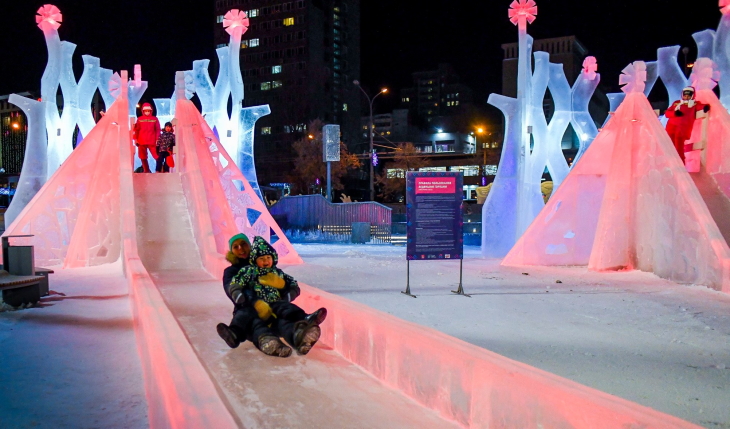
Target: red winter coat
(147, 130)
(679, 128)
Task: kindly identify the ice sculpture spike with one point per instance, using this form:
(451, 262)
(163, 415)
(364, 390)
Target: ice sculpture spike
(580, 96)
(33, 174)
(235, 131)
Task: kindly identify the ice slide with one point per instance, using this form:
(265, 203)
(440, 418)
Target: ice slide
(369, 370)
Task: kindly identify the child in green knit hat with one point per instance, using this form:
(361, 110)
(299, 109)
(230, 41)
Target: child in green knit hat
(245, 323)
(271, 292)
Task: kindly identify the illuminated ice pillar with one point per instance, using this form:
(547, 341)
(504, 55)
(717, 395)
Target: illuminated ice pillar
(244, 158)
(214, 97)
(670, 72)
(235, 132)
(580, 98)
(547, 138)
(721, 52)
(499, 213)
(521, 12)
(236, 23)
(33, 174)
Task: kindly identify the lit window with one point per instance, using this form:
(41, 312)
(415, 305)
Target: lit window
(275, 69)
(265, 130)
(219, 19)
(288, 22)
(253, 13)
(344, 107)
(276, 84)
(244, 44)
(265, 86)
(253, 42)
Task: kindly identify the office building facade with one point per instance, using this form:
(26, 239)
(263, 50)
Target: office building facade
(300, 57)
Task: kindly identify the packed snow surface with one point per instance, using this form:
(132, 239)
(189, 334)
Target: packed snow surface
(72, 361)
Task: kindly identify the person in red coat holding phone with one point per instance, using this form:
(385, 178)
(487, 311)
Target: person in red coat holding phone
(146, 133)
(682, 114)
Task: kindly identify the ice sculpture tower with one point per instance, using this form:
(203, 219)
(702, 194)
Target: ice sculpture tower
(533, 144)
(235, 131)
(629, 204)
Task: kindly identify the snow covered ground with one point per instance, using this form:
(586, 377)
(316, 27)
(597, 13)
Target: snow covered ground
(631, 334)
(72, 362)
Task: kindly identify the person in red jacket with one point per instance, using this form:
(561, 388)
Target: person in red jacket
(146, 133)
(682, 114)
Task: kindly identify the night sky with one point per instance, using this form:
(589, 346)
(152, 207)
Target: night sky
(395, 41)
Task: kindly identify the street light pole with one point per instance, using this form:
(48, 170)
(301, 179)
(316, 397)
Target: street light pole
(370, 133)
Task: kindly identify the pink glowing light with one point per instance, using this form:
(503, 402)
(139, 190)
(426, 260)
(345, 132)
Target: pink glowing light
(704, 75)
(633, 77)
(525, 10)
(590, 65)
(725, 6)
(49, 17)
(235, 22)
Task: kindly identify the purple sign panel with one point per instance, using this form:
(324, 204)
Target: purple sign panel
(434, 204)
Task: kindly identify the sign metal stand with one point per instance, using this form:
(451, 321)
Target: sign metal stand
(408, 280)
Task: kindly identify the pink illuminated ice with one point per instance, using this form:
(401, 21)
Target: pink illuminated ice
(725, 7)
(704, 75)
(115, 85)
(49, 18)
(522, 9)
(633, 77)
(235, 21)
(590, 66)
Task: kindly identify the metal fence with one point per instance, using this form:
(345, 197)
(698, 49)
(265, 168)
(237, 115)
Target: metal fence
(333, 221)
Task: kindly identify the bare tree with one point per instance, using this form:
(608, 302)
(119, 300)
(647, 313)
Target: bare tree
(308, 164)
(406, 158)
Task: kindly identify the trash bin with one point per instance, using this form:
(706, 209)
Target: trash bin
(360, 232)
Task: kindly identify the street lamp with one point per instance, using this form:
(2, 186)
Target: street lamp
(480, 130)
(370, 132)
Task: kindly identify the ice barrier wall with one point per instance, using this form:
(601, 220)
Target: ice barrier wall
(465, 383)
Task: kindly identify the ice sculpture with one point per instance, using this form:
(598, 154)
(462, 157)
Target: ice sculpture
(580, 96)
(75, 218)
(33, 174)
(235, 131)
(629, 204)
(230, 209)
(538, 142)
(721, 52)
(77, 96)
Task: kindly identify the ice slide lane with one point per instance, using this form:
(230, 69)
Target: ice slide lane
(319, 390)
